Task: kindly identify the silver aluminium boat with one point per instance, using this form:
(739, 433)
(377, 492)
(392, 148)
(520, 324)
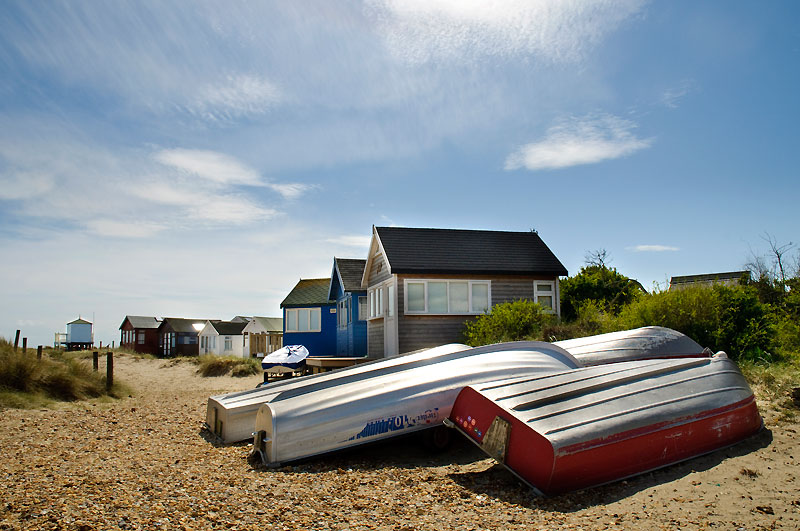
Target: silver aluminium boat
(395, 396)
(648, 342)
(231, 417)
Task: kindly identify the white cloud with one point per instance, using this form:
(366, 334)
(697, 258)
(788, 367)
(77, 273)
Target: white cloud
(351, 241)
(554, 30)
(577, 141)
(202, 204)
(291, 190)
(24, 185)
(123, 229)
(671, 96)
(210, 165)
(653, 248)
(221, 169)
(238, 96)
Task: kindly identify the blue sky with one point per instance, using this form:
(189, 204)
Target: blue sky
(188, 159)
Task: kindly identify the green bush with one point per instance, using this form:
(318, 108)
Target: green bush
(604, 287)
(512, 321)
(721, 318)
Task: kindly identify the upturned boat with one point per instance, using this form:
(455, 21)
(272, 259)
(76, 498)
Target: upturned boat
(231, 417)
(391, 397)
(583, 427)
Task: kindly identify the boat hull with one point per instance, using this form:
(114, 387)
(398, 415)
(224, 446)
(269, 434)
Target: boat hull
(390, 402)
(231, 417)
(648, 342)
(595, 425)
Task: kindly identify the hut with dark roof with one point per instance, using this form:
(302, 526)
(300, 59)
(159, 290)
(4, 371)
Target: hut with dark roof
(423, 284)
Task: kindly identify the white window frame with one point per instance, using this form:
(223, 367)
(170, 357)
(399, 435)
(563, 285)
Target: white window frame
(311, 310)
(343, 313)
(425, 282)
(553, 293)
(228, 344)
(363, 307)
(376, 298)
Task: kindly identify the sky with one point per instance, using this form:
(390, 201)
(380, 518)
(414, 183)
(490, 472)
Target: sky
(194, 159)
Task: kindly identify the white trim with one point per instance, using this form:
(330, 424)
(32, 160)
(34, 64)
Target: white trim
(371, 254)
(425, 282)
(552, 293)
(297, 320)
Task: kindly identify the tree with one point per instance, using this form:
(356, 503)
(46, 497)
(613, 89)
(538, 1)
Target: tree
(607, 288)
(598, 258)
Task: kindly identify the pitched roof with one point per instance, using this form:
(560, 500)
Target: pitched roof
(709, 277)
(270, 324)
(412, 250)
(184, 325)
(351, 270)
(79, 321)
(229, 328)
(141, 321)
(311, 291)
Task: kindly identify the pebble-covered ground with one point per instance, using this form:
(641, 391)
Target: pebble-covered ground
(143, 463)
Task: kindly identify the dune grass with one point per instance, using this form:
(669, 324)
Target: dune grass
(211, 365)
(776, 383)
(26, 381)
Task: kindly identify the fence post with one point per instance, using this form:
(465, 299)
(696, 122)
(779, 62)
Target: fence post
(95, 363)
(109, 370)
(24, 345)
(16, 341)
(39, 352)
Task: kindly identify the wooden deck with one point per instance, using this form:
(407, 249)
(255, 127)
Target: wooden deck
(323, 364)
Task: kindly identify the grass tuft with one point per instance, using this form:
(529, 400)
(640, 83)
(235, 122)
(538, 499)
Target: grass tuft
(26, 381)
(211, 365)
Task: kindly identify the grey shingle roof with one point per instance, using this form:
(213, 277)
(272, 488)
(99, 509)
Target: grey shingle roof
(183, 325)
(312, 291)
(270, 324)
(351, 271)
(453, 251)
(141, 321)
(229, 328)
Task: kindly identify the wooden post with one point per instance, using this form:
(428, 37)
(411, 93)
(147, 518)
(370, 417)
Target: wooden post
(95, 363)
(16, 341)
(39, 352)
(101, 345)
(109, 370)
(24, 345)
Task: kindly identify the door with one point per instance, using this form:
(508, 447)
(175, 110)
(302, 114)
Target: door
(389, 319)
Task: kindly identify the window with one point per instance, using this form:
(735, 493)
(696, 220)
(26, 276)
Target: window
(228, 343)
(447, 296)
(376, 302)
(303, 319)
(544, 292)
(141, 338)
(390, 302)
(343, 312)
(362, 308)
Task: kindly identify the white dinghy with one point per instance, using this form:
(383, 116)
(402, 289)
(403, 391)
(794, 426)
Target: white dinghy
(231, 417)
(394, 397)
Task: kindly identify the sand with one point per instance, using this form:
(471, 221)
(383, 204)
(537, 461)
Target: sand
(143, 463)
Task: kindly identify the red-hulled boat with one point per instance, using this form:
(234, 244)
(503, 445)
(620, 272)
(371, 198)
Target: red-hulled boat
(588, 426)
